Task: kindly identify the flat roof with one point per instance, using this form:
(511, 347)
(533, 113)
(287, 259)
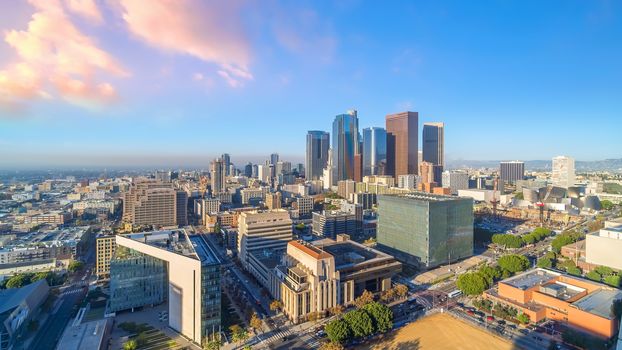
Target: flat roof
(599, 302)
(425, 197)
(89, 335)
(176, 241)
(204, 250)
(530, 279)
(270, 258)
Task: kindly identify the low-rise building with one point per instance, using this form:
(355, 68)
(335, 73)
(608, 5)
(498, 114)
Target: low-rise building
(18, 306)
(605, 247)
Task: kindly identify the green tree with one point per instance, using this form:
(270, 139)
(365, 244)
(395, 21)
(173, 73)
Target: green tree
(594, 276)
(255, 322)
(75, 265)
(364, 299)
(490, 273)
(508, 241)
(130, 345)
(563, 239)
(238, 334)
(574, 270)
(604, 270)
(529, 239)
(523, 318)
(276, 305)
(612, 280)
(471, 283)
(359, 322)
(606, 204)
(381, 315)
(18, 281)
(513, 263)
(338, 331)
(545, 262)
(300, 226)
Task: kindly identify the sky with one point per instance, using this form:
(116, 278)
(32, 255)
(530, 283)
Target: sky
(178, 82)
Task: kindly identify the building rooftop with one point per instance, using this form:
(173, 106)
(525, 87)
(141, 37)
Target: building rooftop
(599, 302)
(425, 197)
(12, 297)
(270, 258)
(530, 279)
(89, 335)
(204, 251)
(176, 241)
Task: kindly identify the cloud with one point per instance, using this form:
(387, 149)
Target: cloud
(86, 8)
(56, 60)
(197, 77)
(208, 30)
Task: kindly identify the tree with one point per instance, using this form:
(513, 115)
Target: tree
(606, 204)
(401, 290)
(75, 265)
(359, 322)
(364, 299)
(388, 295)
(313, 316)
(300, 226)
(563, 239)
(471, 283)
(613, 280)
(594, 276)
(255, 322)
(336, 310)
(508, 241)
(574, 270)
(513, 263)
(18, 281)
(238, 334)
(331, 345)
(545, 262)
(338, 331)
(212, 344)
(490, 273)
(130, 345)
(275, 305)
(604, 270)
(523, 318)
(381, 315)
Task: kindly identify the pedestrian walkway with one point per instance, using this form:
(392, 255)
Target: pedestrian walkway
(71, 291)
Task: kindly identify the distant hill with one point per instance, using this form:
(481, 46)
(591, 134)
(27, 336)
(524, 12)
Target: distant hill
(580, 165)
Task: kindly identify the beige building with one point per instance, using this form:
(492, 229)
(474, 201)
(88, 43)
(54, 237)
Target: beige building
(262, 230)
(605, 247)
(273, 200)
(105, 247)
(150, 202)
(316, 277)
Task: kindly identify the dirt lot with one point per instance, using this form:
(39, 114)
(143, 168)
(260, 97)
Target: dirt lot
(440, 331)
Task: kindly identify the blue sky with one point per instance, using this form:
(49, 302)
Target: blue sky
(112, 86)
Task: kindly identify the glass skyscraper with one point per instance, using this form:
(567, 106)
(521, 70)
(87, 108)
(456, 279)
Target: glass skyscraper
(434, 143)
(374, 151)
(318, 143)
(345, 145)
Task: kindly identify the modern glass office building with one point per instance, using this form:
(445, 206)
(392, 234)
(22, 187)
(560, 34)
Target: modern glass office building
(374, 151)
(425, 230)
(149, 268)
(345, 145)
(318, 143)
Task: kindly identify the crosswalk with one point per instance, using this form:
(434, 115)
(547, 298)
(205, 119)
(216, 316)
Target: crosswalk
(276, 335)
(70, 291)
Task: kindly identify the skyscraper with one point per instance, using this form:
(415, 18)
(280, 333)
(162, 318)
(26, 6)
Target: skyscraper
(227, 161)
(218, 174)
(374, 151)
(402, 143)
(563, 171)
(274, 158)
(434, 143)
(345, 145)
(318, 143)
(509, 172)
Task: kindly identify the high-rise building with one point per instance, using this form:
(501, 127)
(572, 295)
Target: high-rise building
(434, 143)
(328, 175)
(318, 143)
(163, 175)
(331, 223)
(402, 143)
(265, 230)
(149, 268)
(274, 158)
(374, 151)
(218, 175)
(263, 173)
(424, 229)
(150, 202)
(248, 170)
(455, 180)
(408, 181)
(345, 145)
(510, 172)
(563, 172)
(273, 200)
(227, 163)
(182, 208)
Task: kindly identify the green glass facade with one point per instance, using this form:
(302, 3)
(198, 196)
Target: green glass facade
(136, 279)
(425, 230)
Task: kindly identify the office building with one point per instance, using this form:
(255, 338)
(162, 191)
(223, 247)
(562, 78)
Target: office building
(182, 208)
(345, 188)
(259, 230)
(573, 301)
(330, 223)
(18, 307)
(105, 246)
(304, 205)
(163, 176)
(434, 143)
(248, 170)
(455, 181)
(430, 173)
(374, 151)
(510, 172)
(327, 174)
(150, 202)
(149, 268)
(318, 143)
(274, 158)
(226, 160)
(408, 181)
(605, 246)
(425, 230)
(218, 176)
(81, 335)
(402, 143)
(365, 199)
(264, 173)
(344, 146)
(210, 205)
(273, 200)
(563, 172)
(315, 278)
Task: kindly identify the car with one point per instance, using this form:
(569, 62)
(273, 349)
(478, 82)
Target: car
(490, 318)
(470, 312)
(500, 321)
(524, 331)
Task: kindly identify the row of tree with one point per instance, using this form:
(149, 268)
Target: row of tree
(474, 283)
(367, 320)
(515, 241)
(22, 279)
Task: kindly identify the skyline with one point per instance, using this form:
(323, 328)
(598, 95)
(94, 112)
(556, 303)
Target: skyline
(509, 80)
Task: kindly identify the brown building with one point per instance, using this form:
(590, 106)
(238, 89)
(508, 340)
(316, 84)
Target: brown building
(150, 202)
(273, 200)
(402, 143)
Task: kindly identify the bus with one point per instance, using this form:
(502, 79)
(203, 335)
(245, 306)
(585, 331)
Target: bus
(455, 293)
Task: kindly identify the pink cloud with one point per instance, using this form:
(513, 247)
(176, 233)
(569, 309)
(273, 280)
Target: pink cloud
(55, 58)
(86, 8)
(208, 30)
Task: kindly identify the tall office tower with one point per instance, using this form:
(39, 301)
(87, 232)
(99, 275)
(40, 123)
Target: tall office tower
(219, 178)
(327, 173)
(263, 173)
(419, 157)
(509, 172)
(345, 145)
(262, 231)
(374, 151)
(227, 161)
(163, 175)
(402, 143)
(455, 180)
(424, 229)
(255, 172)
(318, 143)
(563, 172)
(149, 268)
(150, 202)
(274, 158)
(273, 200)
(358, 167)
(434, 143)
(248, 170)
(182, 208)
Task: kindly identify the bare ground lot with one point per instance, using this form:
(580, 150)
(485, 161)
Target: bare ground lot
(440, 331)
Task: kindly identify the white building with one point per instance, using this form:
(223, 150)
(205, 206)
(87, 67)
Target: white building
(262, 230)
(604, 247)
(563, 172)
